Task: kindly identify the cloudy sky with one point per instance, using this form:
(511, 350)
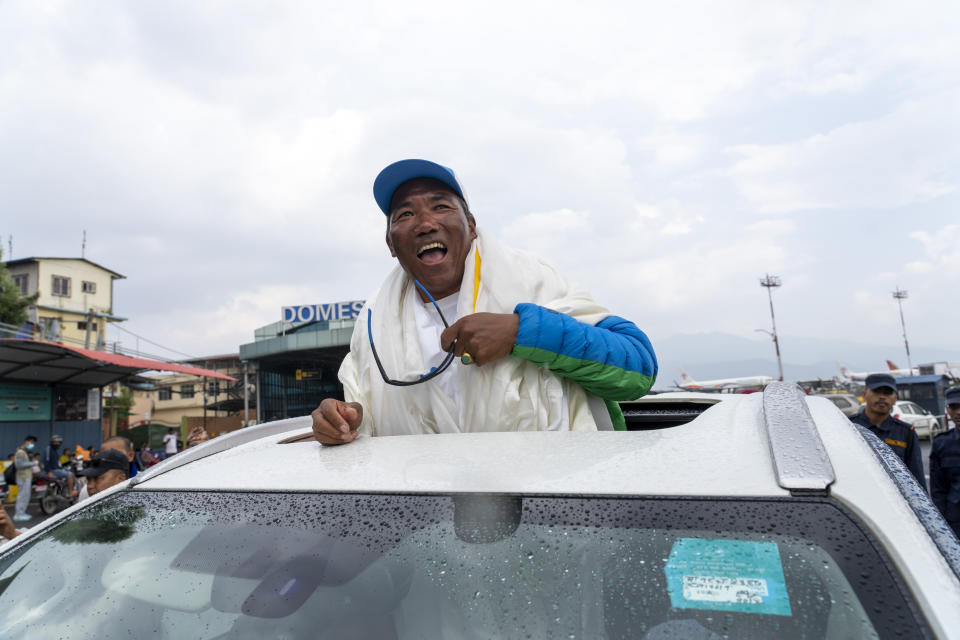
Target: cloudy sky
(665, 155)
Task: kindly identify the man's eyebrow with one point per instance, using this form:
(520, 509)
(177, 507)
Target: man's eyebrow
(400, 205)
(443, 195)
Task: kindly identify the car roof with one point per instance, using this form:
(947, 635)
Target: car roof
(598, 463)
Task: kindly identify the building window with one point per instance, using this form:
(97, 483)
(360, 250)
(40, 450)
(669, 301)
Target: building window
(21, 282)
(213, 389)
(82, 325)
(61, 286)
(165, 393)
(186, 391)
(88, 287)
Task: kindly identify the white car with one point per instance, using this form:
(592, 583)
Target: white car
(846, 402)
(757, 516)
(924, 423)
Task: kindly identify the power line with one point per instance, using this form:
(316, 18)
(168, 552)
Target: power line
(179, 353)
(116, 348)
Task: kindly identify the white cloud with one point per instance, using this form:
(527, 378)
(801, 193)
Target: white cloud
(902, 158)
(942, 248)
(919, 268)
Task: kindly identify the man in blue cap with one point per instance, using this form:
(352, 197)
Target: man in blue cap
(945, 464)
(879, 396)
(468, 335)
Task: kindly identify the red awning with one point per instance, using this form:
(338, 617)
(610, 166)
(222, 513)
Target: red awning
(51, 363)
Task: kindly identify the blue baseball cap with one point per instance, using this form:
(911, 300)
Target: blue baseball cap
(952, 395)
(877, 380)
(394, 175)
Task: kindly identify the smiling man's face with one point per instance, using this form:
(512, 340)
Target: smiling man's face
(430, 234)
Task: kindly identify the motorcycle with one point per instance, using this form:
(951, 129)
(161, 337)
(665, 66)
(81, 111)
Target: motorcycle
(53, 494)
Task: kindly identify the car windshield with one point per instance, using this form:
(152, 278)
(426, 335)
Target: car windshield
(270, 565)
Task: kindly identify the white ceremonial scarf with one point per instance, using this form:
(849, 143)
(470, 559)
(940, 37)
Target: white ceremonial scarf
(512, 394)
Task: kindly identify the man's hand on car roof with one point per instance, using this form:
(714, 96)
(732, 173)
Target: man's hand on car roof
(336, 422)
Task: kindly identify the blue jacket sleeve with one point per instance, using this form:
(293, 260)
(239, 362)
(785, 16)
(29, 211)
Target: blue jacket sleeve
(612, 359)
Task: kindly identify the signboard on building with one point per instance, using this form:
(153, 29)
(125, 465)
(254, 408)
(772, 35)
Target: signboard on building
(93, 404)
(21, 403)
(316, 312)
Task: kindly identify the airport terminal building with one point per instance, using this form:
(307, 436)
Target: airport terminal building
(294, 362)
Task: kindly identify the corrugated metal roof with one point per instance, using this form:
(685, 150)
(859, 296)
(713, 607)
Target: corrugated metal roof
(51, 363)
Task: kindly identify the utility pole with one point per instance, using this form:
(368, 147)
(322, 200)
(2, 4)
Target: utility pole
(770, 282)
(246, 395)
(900, 295)
(89, 325)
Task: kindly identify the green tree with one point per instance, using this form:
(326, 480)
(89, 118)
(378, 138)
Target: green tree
(13, 306)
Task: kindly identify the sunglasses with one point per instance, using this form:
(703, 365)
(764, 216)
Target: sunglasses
(954, 406)
(429, 375)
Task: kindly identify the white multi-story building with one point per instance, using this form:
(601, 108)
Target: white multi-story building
(75, 298)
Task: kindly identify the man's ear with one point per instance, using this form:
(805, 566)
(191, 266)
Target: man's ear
(390, 244)
(472, 225)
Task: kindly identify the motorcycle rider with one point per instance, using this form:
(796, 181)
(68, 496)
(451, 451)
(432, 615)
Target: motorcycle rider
(51, 463)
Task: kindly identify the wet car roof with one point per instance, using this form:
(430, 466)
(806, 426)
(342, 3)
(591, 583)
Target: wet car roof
(602, 463)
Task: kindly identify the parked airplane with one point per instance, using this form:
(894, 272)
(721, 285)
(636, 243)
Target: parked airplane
(748, 382)
(850, 376)
(897, 372)
(847, 376)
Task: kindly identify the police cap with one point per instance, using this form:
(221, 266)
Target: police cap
(877, 380)
(952, 395)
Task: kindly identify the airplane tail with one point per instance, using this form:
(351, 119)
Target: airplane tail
(892, 366)
(685, 378)
(844, 372)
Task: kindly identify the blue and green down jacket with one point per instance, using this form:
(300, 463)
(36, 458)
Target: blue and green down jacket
(612, 360)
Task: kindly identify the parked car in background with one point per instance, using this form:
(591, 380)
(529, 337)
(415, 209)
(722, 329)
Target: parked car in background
(848, 403)
(924, 423)
(767, 515)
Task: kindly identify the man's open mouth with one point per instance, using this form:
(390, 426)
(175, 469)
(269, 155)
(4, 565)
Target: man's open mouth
(432, 253)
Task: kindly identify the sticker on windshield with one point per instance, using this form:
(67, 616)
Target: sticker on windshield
(727, 575)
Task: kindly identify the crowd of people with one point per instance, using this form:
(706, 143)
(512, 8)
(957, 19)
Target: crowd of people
(83, 471)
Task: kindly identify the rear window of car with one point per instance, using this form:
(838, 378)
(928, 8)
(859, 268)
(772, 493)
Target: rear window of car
(252, 565)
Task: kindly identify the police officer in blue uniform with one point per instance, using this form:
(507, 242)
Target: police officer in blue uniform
(879, 397)
(945, 465)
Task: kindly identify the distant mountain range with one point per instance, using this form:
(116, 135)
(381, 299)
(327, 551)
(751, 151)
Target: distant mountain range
(723, 355)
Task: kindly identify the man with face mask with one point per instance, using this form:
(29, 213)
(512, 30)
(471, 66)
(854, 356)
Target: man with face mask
(24, 477)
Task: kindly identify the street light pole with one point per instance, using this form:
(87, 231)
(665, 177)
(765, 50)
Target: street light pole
(769, 282)
(900, 295)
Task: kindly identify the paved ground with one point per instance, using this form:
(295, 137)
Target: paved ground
(32, 510)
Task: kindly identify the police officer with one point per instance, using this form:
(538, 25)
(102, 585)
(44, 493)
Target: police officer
(945, 464)
(879, 396)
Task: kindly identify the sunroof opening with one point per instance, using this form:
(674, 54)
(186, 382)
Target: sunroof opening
(652, 414)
